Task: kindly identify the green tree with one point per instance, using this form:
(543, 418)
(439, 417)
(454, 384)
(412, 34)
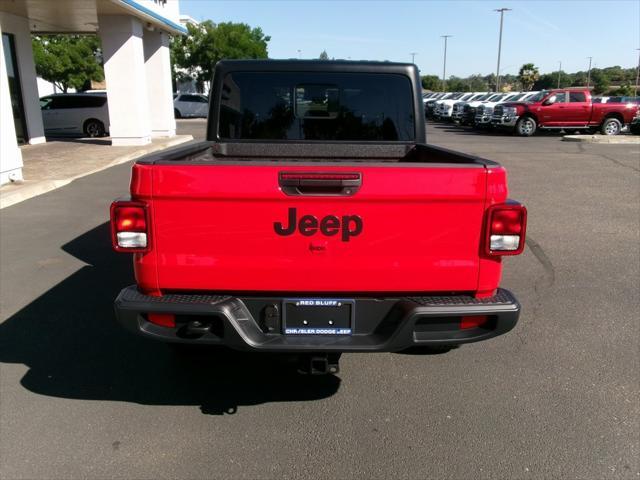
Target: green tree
(528, 75)
(195, 55)
(68, 61)
(565, 79)
(509, 81)
(431, 82)
(490, 80)
(545, 82)
(477, 83)
(625, 90)
(457, 84)
(324, 55)
(601, 81)
(615, 74)
(579, 79)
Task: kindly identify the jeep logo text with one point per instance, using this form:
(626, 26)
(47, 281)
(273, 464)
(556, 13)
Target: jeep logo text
(347, 225)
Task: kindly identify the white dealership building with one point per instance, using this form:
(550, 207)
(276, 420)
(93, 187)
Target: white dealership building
(135, 45)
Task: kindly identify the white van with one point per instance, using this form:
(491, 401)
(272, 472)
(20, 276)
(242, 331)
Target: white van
(190, 105)
(75, 114)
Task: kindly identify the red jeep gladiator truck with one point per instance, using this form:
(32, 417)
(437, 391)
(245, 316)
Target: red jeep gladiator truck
(316, 220)
(568, 109)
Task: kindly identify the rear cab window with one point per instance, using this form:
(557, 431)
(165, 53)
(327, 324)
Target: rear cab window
(577, 97)
(316, 106)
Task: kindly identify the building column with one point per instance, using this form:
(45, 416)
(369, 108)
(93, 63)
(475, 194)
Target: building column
(28, 80)
(10, 155)
(159, 88)
(124, 72)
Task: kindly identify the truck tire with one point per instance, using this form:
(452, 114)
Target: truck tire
(611, 126)
(526, 126)
(176, 113)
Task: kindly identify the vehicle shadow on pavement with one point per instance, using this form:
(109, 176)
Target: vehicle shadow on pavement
(83, 140)
(468, 130)
(450, 127)
(73, 347)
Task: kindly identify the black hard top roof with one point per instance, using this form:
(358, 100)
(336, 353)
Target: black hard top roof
(294, 65)
(224, 67)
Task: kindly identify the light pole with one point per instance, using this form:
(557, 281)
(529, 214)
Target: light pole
(444, 63)
(501, 10)
(299, 52)
(413, 57)
(637, 72)
(589, 73)
(559, 70)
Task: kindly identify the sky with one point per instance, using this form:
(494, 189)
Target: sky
(542, 32)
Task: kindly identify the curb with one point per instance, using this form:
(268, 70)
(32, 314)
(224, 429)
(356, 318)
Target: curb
(26, 190)
(611, 139)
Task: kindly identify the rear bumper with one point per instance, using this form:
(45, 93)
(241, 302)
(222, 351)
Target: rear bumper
(380, 324)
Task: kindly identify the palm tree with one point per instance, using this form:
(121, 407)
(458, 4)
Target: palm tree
(528, 75)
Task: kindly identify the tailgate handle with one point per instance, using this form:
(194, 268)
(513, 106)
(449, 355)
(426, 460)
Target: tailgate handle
(320, 183)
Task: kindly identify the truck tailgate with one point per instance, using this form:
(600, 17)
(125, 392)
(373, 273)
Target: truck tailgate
(227, 227)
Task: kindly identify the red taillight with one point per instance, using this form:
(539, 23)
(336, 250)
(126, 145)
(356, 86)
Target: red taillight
(474, 321)
(505, 229)
(129, 226)
(130, 219)
(162, 319)
(506, 222)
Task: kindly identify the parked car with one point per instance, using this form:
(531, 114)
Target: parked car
(265, 237)
(75, 114)
(496, 118)
(485, 110)
(429, 105)
(623, 99)
(444, 108)
(457, 109)
(469, 111)
(190, 105)
(562, 109)
(432, 96)
(436, 105)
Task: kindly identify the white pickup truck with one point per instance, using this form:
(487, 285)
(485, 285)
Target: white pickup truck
(484, 112)
(469, 112)
(457, 111)
(444, 108)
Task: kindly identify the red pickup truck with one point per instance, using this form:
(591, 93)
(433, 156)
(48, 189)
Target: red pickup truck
(316, 220)
(569, 109)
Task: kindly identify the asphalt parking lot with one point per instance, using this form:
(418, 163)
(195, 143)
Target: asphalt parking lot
(556, 397)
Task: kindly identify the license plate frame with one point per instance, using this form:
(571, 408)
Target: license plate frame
(318, 314)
